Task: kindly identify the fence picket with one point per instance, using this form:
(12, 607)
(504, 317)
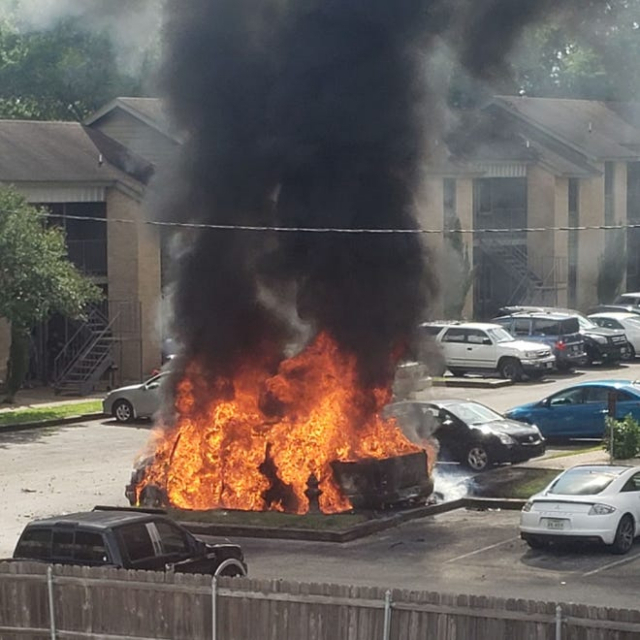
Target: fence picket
(115, 604)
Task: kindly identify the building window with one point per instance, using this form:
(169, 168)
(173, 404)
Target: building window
(86, 239)
(449, 203)
(574, 221)
(609, 195)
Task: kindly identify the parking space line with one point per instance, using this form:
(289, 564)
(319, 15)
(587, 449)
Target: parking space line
(478, 551)
(611, 565)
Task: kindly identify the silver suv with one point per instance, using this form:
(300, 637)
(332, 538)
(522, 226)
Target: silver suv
(487, 348)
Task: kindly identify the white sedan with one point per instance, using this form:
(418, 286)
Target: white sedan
(599, 503)
(620, 320)
(135, 401)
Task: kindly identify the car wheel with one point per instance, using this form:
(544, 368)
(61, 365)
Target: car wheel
(477, 457)
(625, 533)
(629, 353)
(458, 373)
(511, 369)
(123, 411)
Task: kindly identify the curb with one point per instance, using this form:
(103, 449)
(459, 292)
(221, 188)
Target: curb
(352, 533)
(471, 383)
(26, 426)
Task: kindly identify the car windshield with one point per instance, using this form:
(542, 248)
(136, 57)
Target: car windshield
(583, 482)
(473, 413)
(585, 323)
(634, 322)
(626, 299)
(500, 335)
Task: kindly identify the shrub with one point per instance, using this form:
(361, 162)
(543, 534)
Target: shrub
(625, 442)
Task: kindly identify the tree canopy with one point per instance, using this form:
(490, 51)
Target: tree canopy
(61, 73)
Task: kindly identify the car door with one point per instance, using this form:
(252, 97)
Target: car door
(141, 548)
(560, 415)
(147, 398)
(627, 404)
(630, 493)
(454, 346)
(452, 434)
(481, 350)
(596, 404)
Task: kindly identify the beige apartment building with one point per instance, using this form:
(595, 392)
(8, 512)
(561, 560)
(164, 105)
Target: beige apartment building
(531, 166)
(536, 167)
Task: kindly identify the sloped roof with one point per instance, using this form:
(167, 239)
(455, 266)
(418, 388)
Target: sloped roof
(32, 151)
(584, 125)
(148, 110)
(493, 136)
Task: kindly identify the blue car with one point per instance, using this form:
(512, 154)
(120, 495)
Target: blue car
(580, 411)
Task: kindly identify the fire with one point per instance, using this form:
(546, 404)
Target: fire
(255, 441)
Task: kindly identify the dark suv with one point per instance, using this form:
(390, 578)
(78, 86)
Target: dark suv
(600, 344)
(128, 539)
(558, 330)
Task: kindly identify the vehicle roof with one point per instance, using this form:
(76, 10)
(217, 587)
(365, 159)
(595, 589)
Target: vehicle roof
(97, 519)
(612, 468)
(616, 315)
(475, 325)
(617, 384)
(553, 315)
(630, 293)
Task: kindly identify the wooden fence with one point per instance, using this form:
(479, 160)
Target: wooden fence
(59, 603)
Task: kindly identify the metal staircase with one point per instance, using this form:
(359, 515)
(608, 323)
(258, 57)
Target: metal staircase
(530, 288)
(87, 356)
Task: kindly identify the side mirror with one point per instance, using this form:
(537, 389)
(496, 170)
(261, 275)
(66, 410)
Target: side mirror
(487, 342)
(545, 403)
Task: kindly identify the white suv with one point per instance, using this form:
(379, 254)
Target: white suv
(485, 348)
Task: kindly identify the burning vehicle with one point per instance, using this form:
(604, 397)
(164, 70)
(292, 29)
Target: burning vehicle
(298, 269)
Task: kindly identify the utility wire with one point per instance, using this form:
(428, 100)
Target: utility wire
(339, 230)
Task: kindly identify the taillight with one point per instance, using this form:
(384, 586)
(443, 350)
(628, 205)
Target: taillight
(560, 345)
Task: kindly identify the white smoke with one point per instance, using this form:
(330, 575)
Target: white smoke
(133, 25)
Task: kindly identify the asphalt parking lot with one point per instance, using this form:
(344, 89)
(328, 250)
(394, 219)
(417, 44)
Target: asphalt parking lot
(467, 552)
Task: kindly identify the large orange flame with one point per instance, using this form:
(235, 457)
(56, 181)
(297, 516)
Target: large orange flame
(227, 451)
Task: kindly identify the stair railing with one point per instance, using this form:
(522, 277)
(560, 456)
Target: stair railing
(88, 346)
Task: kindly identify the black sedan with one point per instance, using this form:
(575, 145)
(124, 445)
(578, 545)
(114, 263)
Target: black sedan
(468, 432)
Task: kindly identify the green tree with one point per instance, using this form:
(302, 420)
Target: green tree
(62, 73)
(36, 279)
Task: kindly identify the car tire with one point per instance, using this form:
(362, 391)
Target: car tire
(623, 541)
(592, 356)
(458, 373)
(477, 457)
(629, 353)
(123, 411)
(511, 369)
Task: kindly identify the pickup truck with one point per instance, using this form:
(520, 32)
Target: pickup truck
(129, 539)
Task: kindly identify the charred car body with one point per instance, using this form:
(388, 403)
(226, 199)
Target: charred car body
(128, 539)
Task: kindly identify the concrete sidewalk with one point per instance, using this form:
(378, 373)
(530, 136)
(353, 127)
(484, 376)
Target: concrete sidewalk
(41, 397)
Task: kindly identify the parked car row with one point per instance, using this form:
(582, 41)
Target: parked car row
(531, 341)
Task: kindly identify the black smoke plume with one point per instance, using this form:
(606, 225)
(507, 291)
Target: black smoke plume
(310, 113)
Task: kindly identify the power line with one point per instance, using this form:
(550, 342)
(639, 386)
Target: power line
(339, 230)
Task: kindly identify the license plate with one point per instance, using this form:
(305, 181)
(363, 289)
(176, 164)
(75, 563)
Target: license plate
(555, 523)
(549, 365)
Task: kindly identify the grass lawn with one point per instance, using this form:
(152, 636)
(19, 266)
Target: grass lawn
(513, 482)
(22, 416)
(272, 519)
